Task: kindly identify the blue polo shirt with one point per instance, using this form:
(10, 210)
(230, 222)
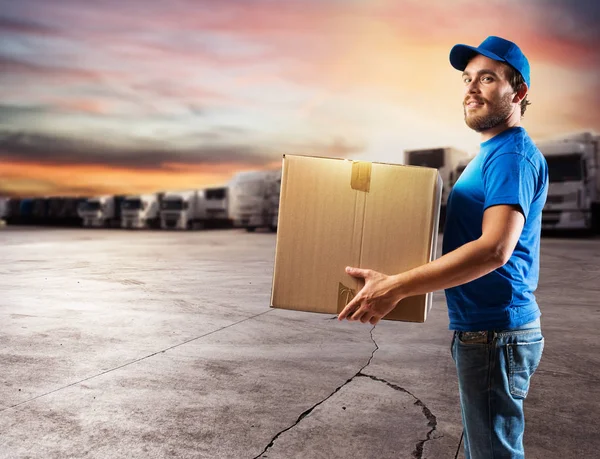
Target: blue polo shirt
(509, 169)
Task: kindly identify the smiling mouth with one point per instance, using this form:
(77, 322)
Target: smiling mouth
(473, 105)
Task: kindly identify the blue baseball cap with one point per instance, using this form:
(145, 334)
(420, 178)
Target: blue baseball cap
(495, 48)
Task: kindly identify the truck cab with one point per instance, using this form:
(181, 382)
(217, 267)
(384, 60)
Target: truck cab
(273, 194)
(101, 212)
(182, 210)
(254, 199)
(217, 206)
(573, 190)
(140, 211)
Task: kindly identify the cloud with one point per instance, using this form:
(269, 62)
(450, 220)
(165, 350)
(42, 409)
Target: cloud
(89, 106)
(10, 67)
(33, 187)
(173, 89)
(45, 149)
(23, 26)
(577, 21)
(136, 111)
(194, 85)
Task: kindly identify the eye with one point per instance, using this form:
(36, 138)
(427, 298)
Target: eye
(466, 80)
(487, 79)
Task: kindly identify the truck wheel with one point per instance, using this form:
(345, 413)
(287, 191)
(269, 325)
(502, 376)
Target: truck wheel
(273, 228)
(250, 229)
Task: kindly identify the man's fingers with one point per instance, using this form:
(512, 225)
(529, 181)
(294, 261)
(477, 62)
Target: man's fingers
(350, 307)
(356, 272)
(374, 320)
(358, 314)
(366, 317)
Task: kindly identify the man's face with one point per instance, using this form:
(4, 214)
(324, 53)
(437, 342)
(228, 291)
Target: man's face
(488, 100)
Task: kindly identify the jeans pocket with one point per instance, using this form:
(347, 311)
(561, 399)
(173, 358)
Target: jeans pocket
(523, 360)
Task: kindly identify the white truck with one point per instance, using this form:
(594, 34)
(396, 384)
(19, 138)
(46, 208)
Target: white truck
(254, 199)
(273, 192)
(101, 212)
(183, 210)
(217, 207)
(573, 201)
(141, 211)
(445, 160)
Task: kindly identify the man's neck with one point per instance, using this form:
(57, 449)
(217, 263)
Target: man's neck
(514, 120)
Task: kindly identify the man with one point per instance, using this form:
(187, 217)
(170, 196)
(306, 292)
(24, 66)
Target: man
(490, 263)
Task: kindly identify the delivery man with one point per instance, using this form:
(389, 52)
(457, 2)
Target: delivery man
(490, 263)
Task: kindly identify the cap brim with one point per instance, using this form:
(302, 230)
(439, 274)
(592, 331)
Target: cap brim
(460, 55)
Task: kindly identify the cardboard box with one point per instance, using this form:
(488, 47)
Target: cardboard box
(335, 213)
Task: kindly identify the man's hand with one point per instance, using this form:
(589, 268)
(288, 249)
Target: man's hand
(375, 300)
(501, 229)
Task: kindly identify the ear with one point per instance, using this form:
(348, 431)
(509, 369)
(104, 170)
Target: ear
(521, 93)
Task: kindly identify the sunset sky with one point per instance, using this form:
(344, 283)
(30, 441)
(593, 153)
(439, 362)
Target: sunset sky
(112, 96)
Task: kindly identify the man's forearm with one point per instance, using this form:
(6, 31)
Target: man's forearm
(460, 266)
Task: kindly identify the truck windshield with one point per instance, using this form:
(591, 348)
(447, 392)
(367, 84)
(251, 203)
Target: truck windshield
(132, 204)
(255, 188)
(92, 206)
(173, 204)
(565, 168)
(428, 158)
(215, 193)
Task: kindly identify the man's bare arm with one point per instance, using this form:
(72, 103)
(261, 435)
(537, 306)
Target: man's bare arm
(501, 228)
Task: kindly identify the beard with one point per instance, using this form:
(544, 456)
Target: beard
(497, 113)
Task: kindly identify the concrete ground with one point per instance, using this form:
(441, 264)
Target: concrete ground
(117, 344)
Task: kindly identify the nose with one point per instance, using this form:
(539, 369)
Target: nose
(472, 87)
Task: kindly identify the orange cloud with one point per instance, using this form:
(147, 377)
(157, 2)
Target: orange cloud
(26, 179)
(95, 107)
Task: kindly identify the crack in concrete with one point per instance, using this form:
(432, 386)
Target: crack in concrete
(459, 443)
(310, 410)
(431, 419)
(162, 351)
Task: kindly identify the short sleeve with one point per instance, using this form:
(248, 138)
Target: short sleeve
(510, 179)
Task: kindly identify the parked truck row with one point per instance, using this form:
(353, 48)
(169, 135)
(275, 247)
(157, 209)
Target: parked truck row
(250, 200)
(573, 201)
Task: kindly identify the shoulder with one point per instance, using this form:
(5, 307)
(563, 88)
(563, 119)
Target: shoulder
(516, 148)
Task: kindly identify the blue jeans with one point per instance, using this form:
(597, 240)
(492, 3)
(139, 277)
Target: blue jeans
(494, 369)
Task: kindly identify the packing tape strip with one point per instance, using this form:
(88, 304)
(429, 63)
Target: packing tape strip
(361, 176)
